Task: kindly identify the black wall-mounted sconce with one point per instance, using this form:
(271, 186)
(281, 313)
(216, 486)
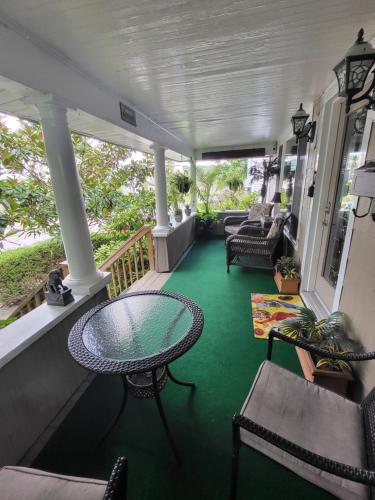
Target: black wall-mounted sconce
(352, 72)
(300, 129)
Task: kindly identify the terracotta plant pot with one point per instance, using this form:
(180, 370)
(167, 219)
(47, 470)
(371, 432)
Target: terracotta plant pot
(286, 285)
(336, 381)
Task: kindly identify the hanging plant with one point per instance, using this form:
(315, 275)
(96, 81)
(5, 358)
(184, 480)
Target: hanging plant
(235, 184)
(182, 182)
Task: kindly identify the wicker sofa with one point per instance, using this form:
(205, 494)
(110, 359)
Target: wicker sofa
(254, 246)
(232, 223)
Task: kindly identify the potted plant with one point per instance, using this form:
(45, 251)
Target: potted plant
(178, 214)
(187, 210)
(234, 182)
(286, 276)
(182, 182)
(331, 335)
(204, 222)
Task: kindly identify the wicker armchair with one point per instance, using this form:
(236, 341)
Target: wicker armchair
(24, 483)
(252, 246)
(318, 434)
(232, 223)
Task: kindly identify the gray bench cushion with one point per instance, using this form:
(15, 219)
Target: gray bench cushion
(312, 417)
(22, 483)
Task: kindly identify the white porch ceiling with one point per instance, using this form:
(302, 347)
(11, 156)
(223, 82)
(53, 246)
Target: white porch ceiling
(213, 72)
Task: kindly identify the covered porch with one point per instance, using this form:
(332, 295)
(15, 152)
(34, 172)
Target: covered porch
(192, 82)
(223, 364)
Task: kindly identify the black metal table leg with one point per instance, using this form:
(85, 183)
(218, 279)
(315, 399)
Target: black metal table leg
(163, 417)
(179, 382)
(122, 408)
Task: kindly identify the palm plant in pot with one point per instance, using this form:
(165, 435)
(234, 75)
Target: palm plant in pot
(330, 334)
(286, 277)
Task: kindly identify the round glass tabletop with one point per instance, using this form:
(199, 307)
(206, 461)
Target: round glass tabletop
(137, 327)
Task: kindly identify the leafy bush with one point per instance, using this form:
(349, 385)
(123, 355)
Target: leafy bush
(104, 238)
(236, 201)
(104, 251)
(22, 269)
(6, 322)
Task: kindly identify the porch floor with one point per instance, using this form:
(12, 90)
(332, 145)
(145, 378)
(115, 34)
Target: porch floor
(223, 364)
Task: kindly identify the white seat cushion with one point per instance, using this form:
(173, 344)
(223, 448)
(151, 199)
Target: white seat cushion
(312, 417)
(232, 229)
(22, 483)
(275, 229)
(258, 210)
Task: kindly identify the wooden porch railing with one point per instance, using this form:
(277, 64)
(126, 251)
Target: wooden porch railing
(130, 262)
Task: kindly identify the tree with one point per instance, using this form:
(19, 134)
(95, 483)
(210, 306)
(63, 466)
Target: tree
(26, 196)
(265, 171)
(233, 174)
(206, 178)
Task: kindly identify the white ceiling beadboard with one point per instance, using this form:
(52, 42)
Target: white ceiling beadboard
(213, 72)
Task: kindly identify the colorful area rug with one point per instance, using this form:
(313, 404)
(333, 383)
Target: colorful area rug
(269, 309)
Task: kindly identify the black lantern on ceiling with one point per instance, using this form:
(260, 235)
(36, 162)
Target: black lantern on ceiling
(353, 70)
(300, 129)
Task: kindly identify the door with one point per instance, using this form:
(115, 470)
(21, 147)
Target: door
(348, 156)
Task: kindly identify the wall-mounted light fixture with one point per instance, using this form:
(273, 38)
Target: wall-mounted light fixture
(300, 129)
(353, 70)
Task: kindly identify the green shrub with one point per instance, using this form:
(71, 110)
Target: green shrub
(6, 322)
(104, 238)
(22, 269)
(102, 253)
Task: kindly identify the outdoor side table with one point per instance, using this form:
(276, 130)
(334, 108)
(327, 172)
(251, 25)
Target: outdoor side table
(136, 336)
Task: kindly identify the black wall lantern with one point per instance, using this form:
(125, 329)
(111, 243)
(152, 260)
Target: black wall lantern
(300, 129)
(353, 70)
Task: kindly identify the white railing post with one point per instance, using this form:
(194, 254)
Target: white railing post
(69, 200)
(162, 225)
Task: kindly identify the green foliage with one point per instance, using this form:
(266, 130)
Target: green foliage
(181, 182)
(206, 216)
(206, 178)
(6, 322)
(233, 174)
(104, 251)
(103, 238)
(287, 267)
(26, 195)
(236, 201)
(284, 199)
(22, 269)
(135, 211)
(330, 334)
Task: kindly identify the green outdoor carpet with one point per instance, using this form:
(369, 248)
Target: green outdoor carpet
(223, 364)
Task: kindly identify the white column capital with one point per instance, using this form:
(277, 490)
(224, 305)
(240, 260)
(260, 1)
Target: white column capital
(49, 105)
(157, 147)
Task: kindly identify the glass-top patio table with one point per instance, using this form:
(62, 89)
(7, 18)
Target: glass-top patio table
(136, 336)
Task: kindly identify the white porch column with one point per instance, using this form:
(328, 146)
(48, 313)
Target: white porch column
(69, 201)
(162, 226)
(193, 177)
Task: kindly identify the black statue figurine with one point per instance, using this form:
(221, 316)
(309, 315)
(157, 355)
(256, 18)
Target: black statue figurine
(58, 294)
